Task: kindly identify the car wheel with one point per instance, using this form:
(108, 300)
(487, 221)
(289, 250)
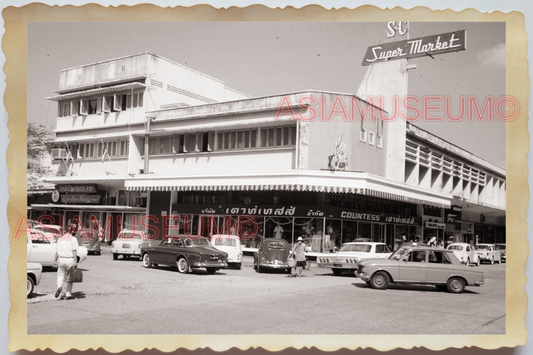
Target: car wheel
(239, 266)
(29, 286)
(492, 260)
(336, 272)
(147, 261)
(380, 280)
(455, 285)
(183, 265)
(478, 262)
(211, 270)
(115, 256)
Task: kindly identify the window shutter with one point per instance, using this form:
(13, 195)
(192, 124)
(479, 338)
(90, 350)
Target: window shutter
(117, 104)
(99, 105)
(186, 139)
(199, 142)
(128, 101)
(84, 104)
(141, 98)
(107, 104)
(210, 141)
(74, 107)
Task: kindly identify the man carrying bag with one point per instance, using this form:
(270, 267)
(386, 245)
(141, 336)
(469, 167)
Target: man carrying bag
(66, 257)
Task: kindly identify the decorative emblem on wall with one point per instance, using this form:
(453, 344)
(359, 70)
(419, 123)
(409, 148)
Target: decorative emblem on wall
(339, 159)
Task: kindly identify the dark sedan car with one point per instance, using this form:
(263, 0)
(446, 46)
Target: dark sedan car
(272, 253)
(185, 252)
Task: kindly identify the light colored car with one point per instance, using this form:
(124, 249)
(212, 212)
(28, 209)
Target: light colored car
(129, 243)
(350, 254)
(501, 248)
(488, 252)
(465, 252)
(230, 244)
(33, 276)
(42, 250)
(420, 265)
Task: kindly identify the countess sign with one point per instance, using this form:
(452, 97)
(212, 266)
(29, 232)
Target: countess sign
(417, 47)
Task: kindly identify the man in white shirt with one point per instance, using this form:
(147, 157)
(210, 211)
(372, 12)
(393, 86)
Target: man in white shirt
(66, 257)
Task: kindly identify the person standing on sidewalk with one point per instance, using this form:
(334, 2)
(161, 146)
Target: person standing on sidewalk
(66, 257)
(299, 253)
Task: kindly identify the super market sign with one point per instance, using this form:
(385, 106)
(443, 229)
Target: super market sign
(418, 47)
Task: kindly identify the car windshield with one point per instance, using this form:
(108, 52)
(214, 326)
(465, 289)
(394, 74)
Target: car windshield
(197, 242)
(130, 235)
(455, 247)
(398, 254)
(363, 248)
(225, 242)
(482, 247)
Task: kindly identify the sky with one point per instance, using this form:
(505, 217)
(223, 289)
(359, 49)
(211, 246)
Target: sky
(269, 58)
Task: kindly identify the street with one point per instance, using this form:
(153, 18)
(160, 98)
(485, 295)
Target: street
(122, 297)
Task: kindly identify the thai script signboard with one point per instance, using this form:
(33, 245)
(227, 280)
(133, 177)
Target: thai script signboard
(417, 47)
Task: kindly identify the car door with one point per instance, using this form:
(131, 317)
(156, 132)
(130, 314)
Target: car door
(382, 251)
(40, 249)
(413, 267)
(439, 267)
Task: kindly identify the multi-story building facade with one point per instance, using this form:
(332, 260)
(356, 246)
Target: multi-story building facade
(146, 143)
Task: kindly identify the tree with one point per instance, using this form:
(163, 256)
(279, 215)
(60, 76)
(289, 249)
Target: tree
(39, 141)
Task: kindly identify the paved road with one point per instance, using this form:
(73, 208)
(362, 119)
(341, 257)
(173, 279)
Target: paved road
(122, 297)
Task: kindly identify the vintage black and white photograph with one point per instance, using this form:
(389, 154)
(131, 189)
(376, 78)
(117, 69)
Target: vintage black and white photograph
(267, 178)
(268, 183)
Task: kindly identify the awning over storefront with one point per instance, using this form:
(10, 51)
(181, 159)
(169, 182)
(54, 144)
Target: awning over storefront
(103, 208)
(99, 91)
(316, 181)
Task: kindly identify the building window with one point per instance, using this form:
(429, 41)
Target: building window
(371, 138)
(118, 148)
(278, 136)
(362, 136)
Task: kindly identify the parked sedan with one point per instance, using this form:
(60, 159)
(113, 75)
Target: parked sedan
(350, 254)
(129, 243)
(420, 265)
(465, 253)
(230, 244)
(185, 253)
(33, 277)
(501, 248)
(40, 249)
(488, 252)
(272, 253)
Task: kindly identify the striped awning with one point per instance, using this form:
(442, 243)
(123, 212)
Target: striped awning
(99, 91)
(363, 184)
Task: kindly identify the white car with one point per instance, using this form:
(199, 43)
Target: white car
(129, 243)
(465, 252)
(349, 255)
(33, 276)
(230, 244)
(488, 252)
(42, 250)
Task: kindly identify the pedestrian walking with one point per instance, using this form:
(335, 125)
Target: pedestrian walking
(299, 253)
(66, 257)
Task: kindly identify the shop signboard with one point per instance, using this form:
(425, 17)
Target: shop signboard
(293, 211)
(80, 198)
(417, 47)
(435, 225)
(77, 188)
